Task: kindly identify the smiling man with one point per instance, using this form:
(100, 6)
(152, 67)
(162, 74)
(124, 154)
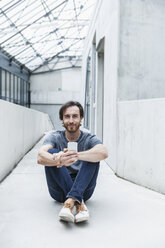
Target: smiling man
(71, 174)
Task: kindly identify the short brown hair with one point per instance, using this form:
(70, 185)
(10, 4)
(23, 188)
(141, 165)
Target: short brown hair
(70, 104)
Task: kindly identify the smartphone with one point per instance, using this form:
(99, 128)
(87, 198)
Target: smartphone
(72, 146)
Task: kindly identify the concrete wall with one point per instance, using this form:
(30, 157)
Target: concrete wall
(134, 55)
(105, 24)
(50, 90)
(142, 53)
(141, 136)
(20, 129)
(141, 76)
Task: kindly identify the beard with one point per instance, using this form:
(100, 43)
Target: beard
(72, 128)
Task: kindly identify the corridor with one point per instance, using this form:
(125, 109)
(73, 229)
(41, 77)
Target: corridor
(122, 214)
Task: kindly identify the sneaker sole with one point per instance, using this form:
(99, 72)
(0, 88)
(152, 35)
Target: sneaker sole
(81, 219)
(67, 218)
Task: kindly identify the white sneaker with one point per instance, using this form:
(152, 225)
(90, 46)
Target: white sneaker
(66, 212)
(82, 213)
(66, 215)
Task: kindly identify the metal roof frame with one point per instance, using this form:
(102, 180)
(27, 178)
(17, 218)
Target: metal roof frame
(34, 33)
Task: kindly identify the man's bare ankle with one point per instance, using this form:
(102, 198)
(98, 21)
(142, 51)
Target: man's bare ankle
(70, 200)
(80, 207)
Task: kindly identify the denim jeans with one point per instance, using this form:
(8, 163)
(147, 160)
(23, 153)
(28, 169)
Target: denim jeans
(62, 186)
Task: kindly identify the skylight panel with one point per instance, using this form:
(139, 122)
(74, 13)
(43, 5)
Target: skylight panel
(36, 31)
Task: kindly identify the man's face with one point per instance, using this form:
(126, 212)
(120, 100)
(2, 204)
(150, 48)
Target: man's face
(72, 119)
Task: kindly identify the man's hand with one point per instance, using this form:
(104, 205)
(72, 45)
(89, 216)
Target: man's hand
(67, 158)
(57, 158)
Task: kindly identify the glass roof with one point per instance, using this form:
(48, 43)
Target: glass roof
(36, 32)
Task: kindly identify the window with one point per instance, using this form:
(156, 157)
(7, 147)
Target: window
(18, 90)
(14, 89)
(7, 78)
(3, 96)
(11, 87)
(87, 93)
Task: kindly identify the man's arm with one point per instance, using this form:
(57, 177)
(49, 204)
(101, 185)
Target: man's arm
(46, 158)
(57, 159)
(95, 154)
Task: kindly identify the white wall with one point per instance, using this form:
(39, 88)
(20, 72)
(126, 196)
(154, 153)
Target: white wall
(141, 76)
(66, 80)
(105, 23)
(141, 136)
(50, 90)
(20, 129)
(134, 55)
(142, 53)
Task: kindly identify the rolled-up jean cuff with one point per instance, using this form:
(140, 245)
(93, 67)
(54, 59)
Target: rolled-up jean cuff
(76, 199)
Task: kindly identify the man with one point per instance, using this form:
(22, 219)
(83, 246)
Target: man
(71, 175)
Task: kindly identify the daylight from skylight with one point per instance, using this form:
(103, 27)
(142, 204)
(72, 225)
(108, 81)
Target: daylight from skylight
(35, 32)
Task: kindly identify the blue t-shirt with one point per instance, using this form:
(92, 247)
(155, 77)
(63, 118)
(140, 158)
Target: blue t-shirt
(85, 142)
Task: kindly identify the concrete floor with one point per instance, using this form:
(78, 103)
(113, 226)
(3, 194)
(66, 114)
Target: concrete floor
(122, 214)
